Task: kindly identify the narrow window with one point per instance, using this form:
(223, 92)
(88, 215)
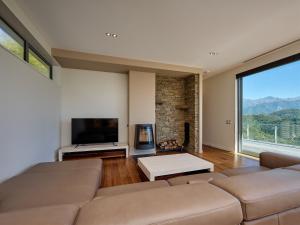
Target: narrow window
(11, 40)
(14, 43)
(39, 64)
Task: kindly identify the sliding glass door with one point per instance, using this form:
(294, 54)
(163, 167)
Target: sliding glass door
(269, 108)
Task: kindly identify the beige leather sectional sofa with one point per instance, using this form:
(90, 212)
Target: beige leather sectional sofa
(67, 193)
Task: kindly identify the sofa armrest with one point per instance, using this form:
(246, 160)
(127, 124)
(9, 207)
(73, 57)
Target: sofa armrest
(274, 160)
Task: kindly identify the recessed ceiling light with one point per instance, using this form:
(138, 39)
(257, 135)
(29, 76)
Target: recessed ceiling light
(111, 35)
(213, 53)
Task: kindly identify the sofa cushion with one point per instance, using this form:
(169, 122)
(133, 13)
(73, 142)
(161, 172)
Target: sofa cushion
(264, 193)
(243, 170)
(275, 160)
(190, 178)
(30, 190)
(268, 220)
(295, 167)
(192, 204)
(290, 217)
(93, 164)
(122, 189)
(54, 215)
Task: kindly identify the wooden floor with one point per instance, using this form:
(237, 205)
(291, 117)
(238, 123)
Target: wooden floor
(119, 171)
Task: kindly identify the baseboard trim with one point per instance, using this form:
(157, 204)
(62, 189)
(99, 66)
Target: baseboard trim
(222, 147)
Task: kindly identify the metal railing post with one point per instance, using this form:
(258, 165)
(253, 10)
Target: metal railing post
(276, 128)
(248, 132)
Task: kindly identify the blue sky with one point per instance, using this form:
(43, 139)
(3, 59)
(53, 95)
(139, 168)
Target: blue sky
(282, 82)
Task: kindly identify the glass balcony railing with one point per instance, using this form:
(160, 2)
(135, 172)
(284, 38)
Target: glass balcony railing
(286, 134)
(259, 137)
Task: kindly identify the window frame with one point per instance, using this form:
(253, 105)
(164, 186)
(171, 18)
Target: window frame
(239, 80)
(270, 65)
(28, 47)
(31, 48)
(17, 34)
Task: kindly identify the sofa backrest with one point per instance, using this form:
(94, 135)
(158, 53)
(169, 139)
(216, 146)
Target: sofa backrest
(274, 160)
(264, 193)
(48, 184)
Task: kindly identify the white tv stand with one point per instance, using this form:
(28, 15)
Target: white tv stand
(91, 148)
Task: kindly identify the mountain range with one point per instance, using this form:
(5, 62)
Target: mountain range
(269, 105)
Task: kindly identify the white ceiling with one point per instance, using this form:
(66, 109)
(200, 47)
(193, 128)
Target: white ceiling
(170, 31)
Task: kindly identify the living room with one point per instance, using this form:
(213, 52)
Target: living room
(112, 112)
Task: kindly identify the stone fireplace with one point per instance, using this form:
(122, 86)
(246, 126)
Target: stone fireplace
(177, 110)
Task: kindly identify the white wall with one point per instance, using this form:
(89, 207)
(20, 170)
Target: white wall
(93, 94)
(219, 98)
(219, 106)
(141, 104)
(29, 116)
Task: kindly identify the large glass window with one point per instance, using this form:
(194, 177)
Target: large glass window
(269, 108)
(11, 41)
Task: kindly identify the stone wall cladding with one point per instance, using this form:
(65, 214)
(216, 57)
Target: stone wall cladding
(173, 92)
(169, 120)
(192, 113)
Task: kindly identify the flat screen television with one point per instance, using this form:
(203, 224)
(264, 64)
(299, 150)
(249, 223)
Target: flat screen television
(92, 131)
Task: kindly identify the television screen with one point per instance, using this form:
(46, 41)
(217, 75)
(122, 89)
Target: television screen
(91, 131)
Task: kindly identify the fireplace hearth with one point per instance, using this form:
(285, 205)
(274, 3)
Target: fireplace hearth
(144, 138)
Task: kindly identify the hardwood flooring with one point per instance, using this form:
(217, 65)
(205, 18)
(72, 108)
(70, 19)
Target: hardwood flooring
(118, 171)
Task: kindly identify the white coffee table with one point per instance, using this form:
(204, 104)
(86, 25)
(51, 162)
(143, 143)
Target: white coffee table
(155, 166)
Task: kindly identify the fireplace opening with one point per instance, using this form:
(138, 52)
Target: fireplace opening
(173, 144)
(186, 134)
(144, 138)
